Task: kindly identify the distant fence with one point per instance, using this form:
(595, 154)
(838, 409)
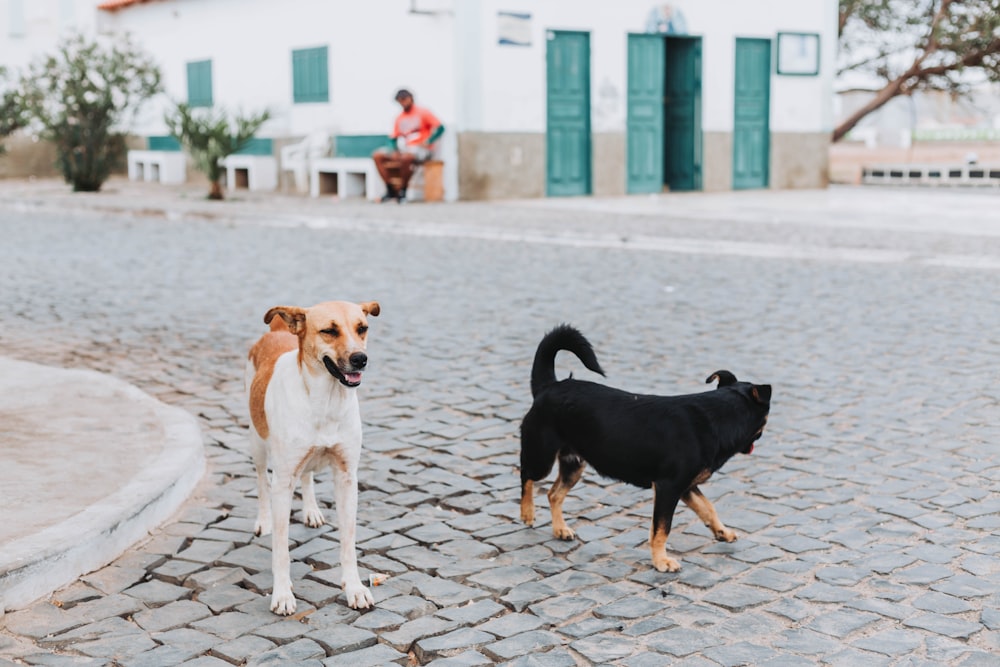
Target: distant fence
(957, 134)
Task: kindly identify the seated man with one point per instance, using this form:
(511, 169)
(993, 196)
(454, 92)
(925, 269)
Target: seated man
(415, 130)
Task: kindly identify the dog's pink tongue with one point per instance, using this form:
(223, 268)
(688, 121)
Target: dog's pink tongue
(353, 378)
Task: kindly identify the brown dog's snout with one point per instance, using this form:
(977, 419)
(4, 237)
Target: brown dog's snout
(359, 360)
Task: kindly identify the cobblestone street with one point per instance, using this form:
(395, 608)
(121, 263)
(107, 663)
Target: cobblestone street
(868, 515)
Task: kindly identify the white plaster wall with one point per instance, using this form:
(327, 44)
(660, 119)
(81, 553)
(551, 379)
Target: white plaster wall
(514, 76)
(373, 50)
(30, 28)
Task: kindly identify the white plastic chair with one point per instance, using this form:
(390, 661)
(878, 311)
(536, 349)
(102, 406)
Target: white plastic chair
(298, 157)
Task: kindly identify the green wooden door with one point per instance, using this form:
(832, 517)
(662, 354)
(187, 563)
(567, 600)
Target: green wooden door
(751, 109)
(644, 118)
(567, 135)
(682, 110)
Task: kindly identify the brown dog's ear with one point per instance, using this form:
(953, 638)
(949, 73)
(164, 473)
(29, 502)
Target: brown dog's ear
(370, 308)
(725, 378)
(293, 316)
(761, 393)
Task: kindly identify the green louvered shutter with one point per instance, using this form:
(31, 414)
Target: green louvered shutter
(199, 80)
(310, 76)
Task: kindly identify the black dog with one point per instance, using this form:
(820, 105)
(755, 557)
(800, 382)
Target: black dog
(670, 443)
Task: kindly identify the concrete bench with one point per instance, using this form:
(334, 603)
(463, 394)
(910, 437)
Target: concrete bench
(351, 171)
(167, 167)
(253, 168)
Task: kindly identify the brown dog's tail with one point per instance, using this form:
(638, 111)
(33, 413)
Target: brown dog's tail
(563, 337)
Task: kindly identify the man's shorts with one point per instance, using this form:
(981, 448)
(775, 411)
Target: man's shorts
(419, 153)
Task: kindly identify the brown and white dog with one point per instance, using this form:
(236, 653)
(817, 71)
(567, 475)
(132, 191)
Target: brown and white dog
(301, 381)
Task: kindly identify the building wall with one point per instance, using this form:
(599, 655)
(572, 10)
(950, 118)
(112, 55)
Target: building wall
(449, 53)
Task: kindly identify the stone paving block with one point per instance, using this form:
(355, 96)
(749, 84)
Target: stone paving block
(380, 620)
(216, 576)
(922, 575)
(451, 644)
(942, 604)
(118, 604)
(840, 623)
(630, 608)
(380, 654)
(205, 661)
(681, 642)
(737, 597)
(177, 571)
(473, 613)
(807, 642)
(552, 658)
(825, 593)
(120, 646)
(41, 620)
(172, 615)
(282, 631)
(511, 624)
(240, 649)
(966, 586)
(105, 628)
(298, 652)
(115, 578)
(230, 624)
(525, 643)
(559, 608)
(404, 637)
(591, 626)
(894, 642)
(156, 593)
(161, 656)
(501, 579)
(465, 659)
(944, 625)
(741, 653)
(225, 597)
(604, 648)
(409, 606)
(336, 639)
(205, 551)
(443, 592)
(646, 626)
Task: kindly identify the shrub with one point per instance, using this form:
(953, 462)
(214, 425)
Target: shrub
(211, 135)
(84, 98)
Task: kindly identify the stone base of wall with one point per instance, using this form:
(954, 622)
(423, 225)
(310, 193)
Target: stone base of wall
(505, 165)
(800, 160)
(501, 165)
(28, 158)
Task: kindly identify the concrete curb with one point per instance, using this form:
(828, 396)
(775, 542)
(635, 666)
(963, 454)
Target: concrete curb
(36, 565)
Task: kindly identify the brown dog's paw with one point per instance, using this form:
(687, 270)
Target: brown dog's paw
(664, 563)
(563, 532)
(725, 535)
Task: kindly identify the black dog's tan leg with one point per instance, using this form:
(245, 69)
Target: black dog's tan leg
(570, 471)
(664, 505)
(701, 505)
(528, 502)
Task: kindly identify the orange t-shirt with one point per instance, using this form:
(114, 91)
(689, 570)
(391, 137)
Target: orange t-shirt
(415, 125)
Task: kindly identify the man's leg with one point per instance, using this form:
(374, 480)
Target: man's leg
(406, 162)
(383, 160)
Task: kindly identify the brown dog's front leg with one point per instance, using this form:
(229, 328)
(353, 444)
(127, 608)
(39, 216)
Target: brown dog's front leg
(701, 505)
(664, 504)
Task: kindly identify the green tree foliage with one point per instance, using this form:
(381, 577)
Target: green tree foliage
(910, 45)
(12, 116)
(84, 98)
(211, 135)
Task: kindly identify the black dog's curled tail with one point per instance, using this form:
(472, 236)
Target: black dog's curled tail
(563, 337)
(725, 378)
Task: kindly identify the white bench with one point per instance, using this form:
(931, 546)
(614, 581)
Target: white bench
(345, 177)
(168, 167)
(253, 172)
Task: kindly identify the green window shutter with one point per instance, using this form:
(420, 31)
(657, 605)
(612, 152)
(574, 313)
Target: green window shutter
(310, 77)
(199, 79)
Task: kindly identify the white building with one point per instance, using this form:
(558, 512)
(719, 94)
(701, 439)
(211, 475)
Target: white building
(539, 97)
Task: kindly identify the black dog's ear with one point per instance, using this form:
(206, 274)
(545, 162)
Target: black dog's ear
(761, 393)
(725, 378)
